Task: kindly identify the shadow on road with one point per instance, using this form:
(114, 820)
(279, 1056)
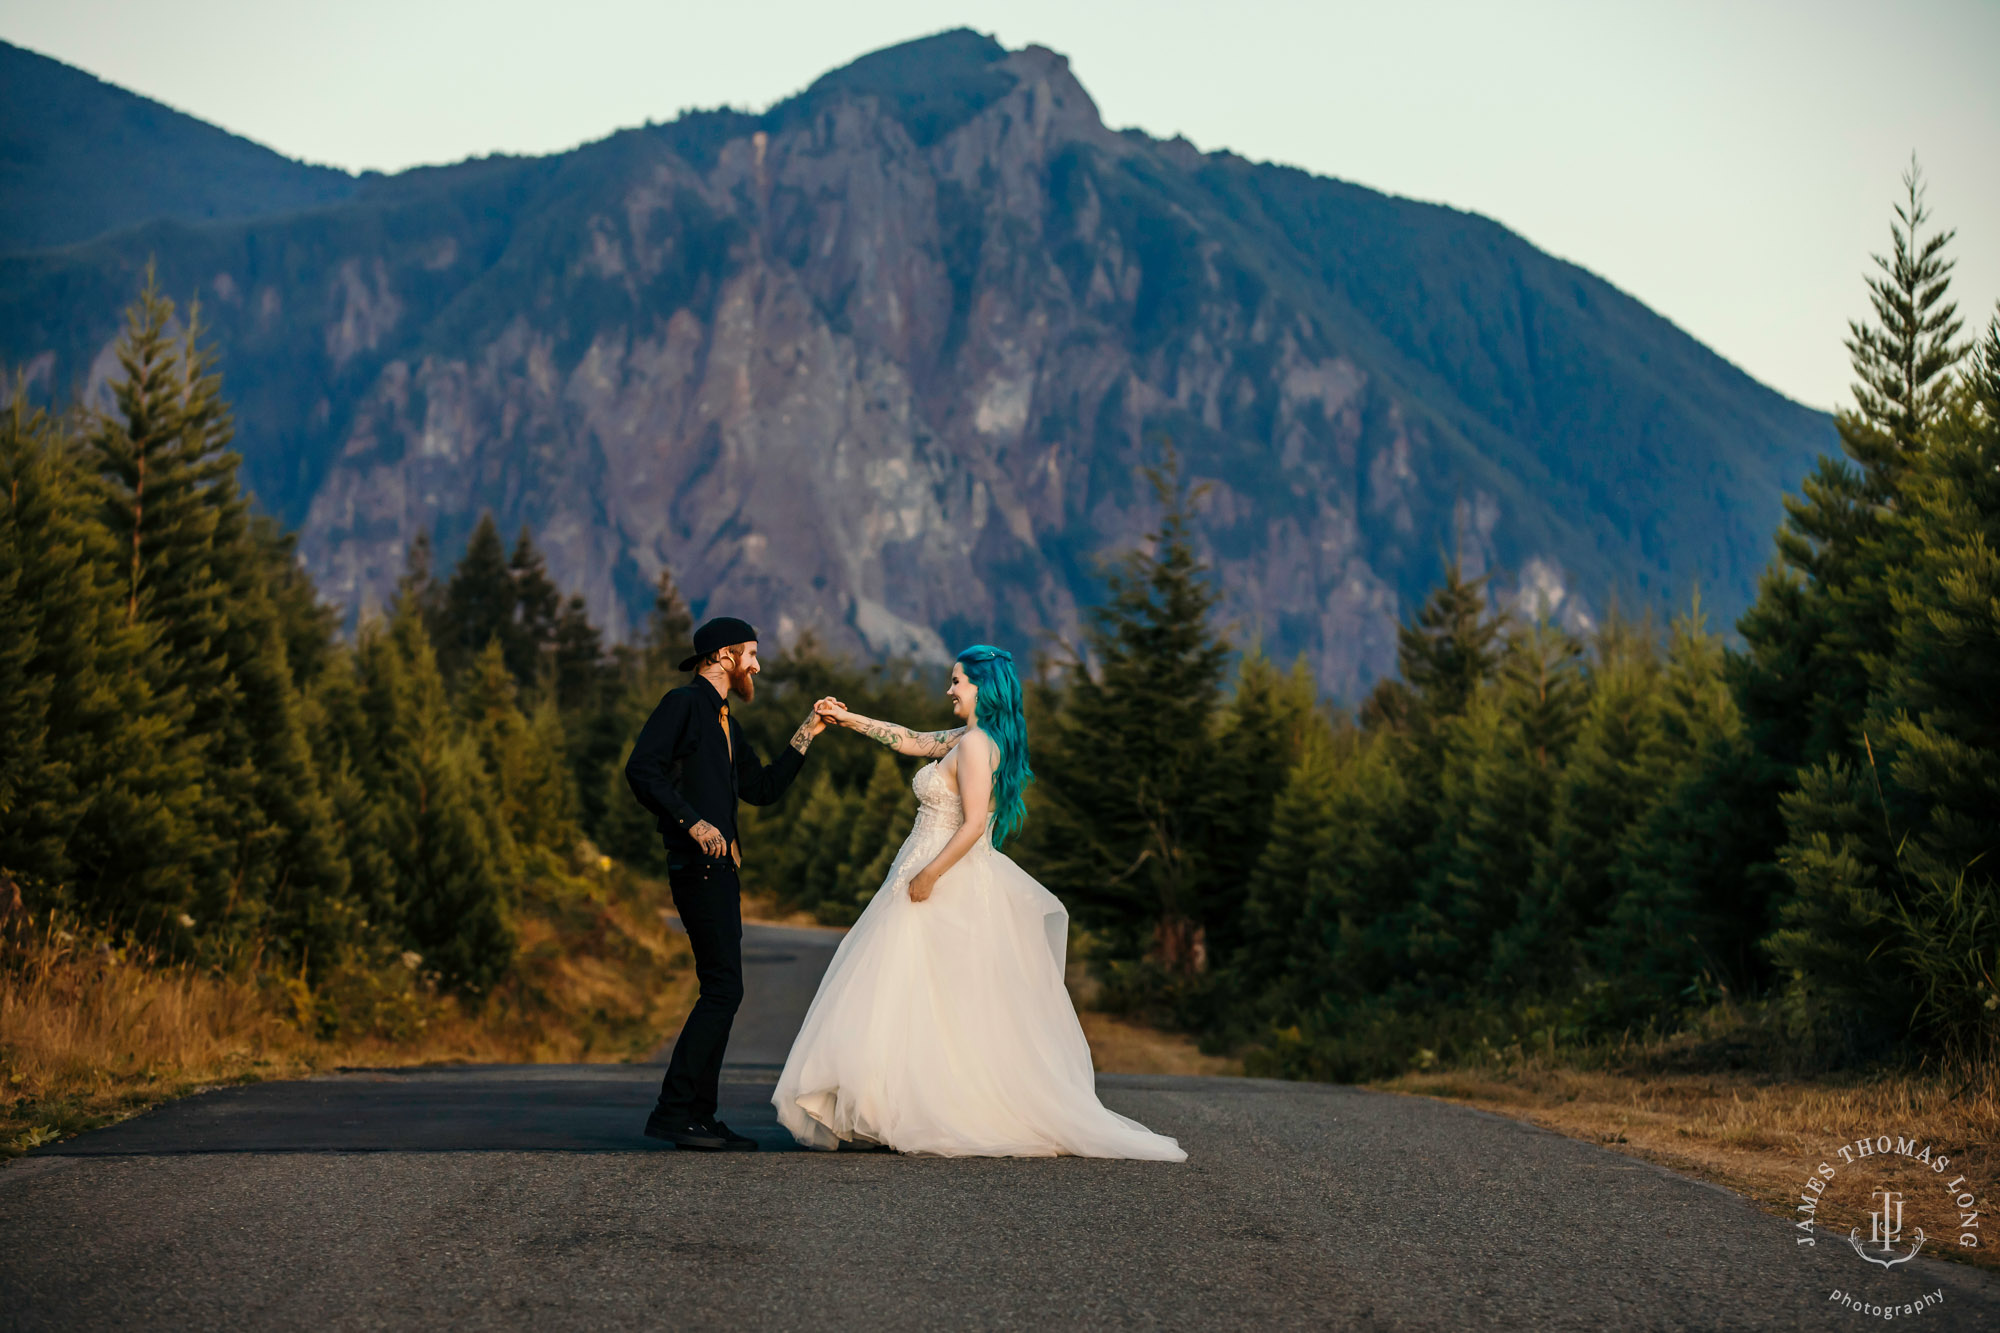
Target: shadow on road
(498, 1108)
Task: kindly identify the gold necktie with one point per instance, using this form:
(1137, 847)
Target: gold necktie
(735, 851)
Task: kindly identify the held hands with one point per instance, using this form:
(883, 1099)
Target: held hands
(832, 712)
(824, 714)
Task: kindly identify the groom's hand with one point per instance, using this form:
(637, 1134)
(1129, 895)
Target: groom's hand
(709, 838)
(815, 723)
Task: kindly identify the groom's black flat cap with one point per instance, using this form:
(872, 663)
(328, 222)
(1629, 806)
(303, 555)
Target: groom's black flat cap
(721, 632)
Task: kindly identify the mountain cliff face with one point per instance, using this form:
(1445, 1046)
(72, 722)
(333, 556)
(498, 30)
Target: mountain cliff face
(885, 362)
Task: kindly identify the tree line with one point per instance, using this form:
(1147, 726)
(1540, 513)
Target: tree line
(1531, 833)
(191, 752)
(1539, 835)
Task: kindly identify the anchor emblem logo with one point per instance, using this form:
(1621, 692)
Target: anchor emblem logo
(1884, 1226)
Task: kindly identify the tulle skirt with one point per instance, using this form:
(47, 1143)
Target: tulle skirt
(943, 1027)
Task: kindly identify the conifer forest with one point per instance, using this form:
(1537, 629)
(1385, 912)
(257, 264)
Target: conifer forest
(1528, 835)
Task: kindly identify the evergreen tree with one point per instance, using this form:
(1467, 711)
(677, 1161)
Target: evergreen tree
(803, 865)
(620, 825)
(1505, 754)
(1358, 908)
(1279, 963)
(1902, 361)
(1449, 649)
(1837, 933)
(197, 570)
(1262, 735)
(1692, 900)
(537, 608)
(479, 601)
(418, 588)
(1133, 751)
(1935, 718)
(452, 898)
(522, 763)
(1613, 772)
(1823, 623)
(100, 787)
(582, 682)
(881, 820)
(669, 636)
(1936, 725)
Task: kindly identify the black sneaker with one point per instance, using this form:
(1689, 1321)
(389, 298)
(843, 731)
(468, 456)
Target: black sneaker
(731, 1140)
(685, 1132)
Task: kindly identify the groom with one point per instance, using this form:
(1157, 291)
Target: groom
(689, 766)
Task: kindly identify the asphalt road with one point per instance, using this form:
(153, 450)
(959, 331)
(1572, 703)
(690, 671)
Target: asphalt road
(523, 1196)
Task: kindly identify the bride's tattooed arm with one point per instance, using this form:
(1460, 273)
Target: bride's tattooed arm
(921, 744)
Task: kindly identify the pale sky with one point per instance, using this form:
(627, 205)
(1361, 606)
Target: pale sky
(1729, 162)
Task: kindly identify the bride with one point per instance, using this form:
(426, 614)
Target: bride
(942, 1025)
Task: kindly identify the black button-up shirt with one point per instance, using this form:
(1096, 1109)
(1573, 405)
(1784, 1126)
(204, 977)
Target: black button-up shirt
(682, 768)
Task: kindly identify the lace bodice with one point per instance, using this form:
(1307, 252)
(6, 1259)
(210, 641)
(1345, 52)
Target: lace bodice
(939, 811)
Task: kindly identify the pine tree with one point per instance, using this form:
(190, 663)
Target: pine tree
(522, 764)
(1133, 748)
(198, 570)
(537, 608)
(1262, 735)
(803, 866)
(1935, 723)
(1613, 773)
(1358, 907)
(1935, 718)
(1449, 649)
(1902, 362)
(342, 735)
(479, 601)
(622, 827)
(1278, 960)
(1505, 755)
(1821, 625)
(881, 821)
(1837, 933)
(581, 679)
(1693, 902)
(669, 636)
(451, 894)
(100, 786)
(418, 587)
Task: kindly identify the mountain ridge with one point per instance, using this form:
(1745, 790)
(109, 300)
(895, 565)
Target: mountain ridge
(1030, 300)
(157, 160)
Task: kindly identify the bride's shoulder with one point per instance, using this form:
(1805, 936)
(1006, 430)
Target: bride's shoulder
(977, 746)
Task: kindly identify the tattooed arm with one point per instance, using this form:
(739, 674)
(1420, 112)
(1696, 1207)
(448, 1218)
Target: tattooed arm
(922, 744)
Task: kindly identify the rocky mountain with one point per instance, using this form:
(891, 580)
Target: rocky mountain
(885, 362)
(80, 157)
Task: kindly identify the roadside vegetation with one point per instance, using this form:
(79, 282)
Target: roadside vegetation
(96, 1026)
(1696, 1104)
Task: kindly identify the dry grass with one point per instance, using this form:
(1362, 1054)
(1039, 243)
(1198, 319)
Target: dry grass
(1763, 1136)
(93, 1030)
(1120, 1046)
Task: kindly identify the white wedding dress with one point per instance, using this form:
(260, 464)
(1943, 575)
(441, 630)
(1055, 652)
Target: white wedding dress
(943, 1027)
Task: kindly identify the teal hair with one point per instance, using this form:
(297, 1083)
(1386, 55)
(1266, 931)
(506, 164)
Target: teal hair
(998, 706)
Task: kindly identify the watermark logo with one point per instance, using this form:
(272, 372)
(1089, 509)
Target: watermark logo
(1911, 1199)
(1885, 1224)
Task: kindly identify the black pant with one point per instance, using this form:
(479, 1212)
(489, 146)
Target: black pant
(710, 903)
